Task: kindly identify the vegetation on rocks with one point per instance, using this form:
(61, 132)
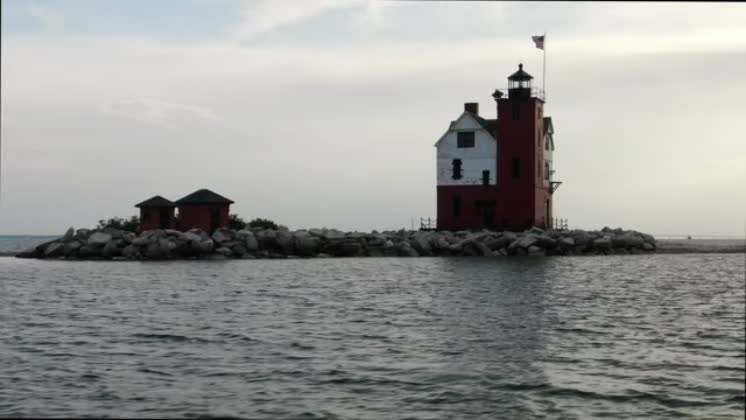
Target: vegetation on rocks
(262, 242)
(128, 225)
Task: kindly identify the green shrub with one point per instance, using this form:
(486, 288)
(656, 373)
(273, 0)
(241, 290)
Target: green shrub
(235, 222)
(129, 225)
(262, 224)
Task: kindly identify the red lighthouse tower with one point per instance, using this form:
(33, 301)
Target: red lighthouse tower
(523, 173)
(516, 147)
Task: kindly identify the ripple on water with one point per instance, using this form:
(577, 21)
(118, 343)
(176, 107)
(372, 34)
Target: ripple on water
(649, 337)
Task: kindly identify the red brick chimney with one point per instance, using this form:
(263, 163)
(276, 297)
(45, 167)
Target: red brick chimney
(472, 107)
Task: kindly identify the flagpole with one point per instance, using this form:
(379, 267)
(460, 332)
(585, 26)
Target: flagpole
(544, 73)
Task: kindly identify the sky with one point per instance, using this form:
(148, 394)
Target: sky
(325, 113)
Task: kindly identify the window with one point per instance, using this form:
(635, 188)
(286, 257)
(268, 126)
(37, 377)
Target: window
(515, 168)
(516, 110)
(485, 177)
(546, 170)
(456, 169)
(538, 168)
(546, 144)
(538, 137)
(457, 206)
(465, 139)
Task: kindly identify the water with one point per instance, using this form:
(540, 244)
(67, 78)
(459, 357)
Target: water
(653, 336)
(11, 244)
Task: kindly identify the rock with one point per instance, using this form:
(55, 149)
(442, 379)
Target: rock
(192, 237)
(166, 244)
(649, 239)
(523, 242)
(285, 241)
(333, 234)
(72, 247)
(322, 255)
(647, 246)
(535, 251)
(226, 252)
(215, 257)
(439, 243)
(141, 240)
(306, 245)
(474, 248)
(239, 250)
(220, 236)
(345, 249)
(603, 243)
(156, 252)
(388, 244)
(87, 251)
(267, 239)
(99, 239)
(128, 237)
(406, 250)
(581, 237)
(130, 252)
(54, 250)
(566, 242)
(455, 248)
(545, 241)
(536, 230)
(82, 233)
(115, 233)
(503, 251)
(421, 243)
(206, 246)
(111, 249)
(68, 235)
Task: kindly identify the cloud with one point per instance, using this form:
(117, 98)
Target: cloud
(43, 13)
(267, 15)
(160, 112)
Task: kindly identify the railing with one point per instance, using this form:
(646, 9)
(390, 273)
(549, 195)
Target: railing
(558, 223)
(535, 92)
(428, 224)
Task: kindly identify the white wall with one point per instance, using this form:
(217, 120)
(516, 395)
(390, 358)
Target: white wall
(474, 160)
(548, 157)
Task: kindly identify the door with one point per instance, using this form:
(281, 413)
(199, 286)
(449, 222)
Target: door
(164, 219)
(488, 214)
(214, 219)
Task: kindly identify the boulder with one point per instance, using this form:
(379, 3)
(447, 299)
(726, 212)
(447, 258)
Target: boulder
(192, 237)
(536, 251)
(566, 242)
(348, 248)
(226, 252)
(115, 233)
(267, 239)
(112, 248)
(648, 247)
(55, 249)
(603, 243)
(334, 234)
(131, 252)
(206, 246)
(306, 245)
(87, 251)
(72, 247)
(220, 236)
(99, 239)
(141, 240)
(156, 252)
(285, 241)
(68, 235)
(406, 250)
(545, 241)
(523, 242)
(581, 237)
(82, 233)
(421, 243)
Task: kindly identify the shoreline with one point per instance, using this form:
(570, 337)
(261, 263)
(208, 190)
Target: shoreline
(281, 243)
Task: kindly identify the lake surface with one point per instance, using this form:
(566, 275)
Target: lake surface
(653, 336)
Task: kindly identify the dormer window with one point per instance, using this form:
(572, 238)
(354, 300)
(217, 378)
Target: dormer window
(465, 139)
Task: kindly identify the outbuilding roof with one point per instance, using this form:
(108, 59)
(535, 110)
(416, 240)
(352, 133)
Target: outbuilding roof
(204, 196)
(156, 201)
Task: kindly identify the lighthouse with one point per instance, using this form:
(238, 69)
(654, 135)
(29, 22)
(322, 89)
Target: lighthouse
(497, 173)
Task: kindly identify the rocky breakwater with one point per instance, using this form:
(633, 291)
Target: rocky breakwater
(112, 244)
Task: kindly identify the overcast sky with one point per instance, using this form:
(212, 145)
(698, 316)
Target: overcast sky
(325, 112)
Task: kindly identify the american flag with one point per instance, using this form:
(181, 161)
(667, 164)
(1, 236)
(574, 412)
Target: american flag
(539, 40)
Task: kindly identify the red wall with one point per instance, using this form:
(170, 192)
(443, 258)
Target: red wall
(198, 216)
(468, 218)
(520, 203)
(154, 219)
(524, 199)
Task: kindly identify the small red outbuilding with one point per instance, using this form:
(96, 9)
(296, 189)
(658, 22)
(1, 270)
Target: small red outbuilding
(156, 213)
(203, 209)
